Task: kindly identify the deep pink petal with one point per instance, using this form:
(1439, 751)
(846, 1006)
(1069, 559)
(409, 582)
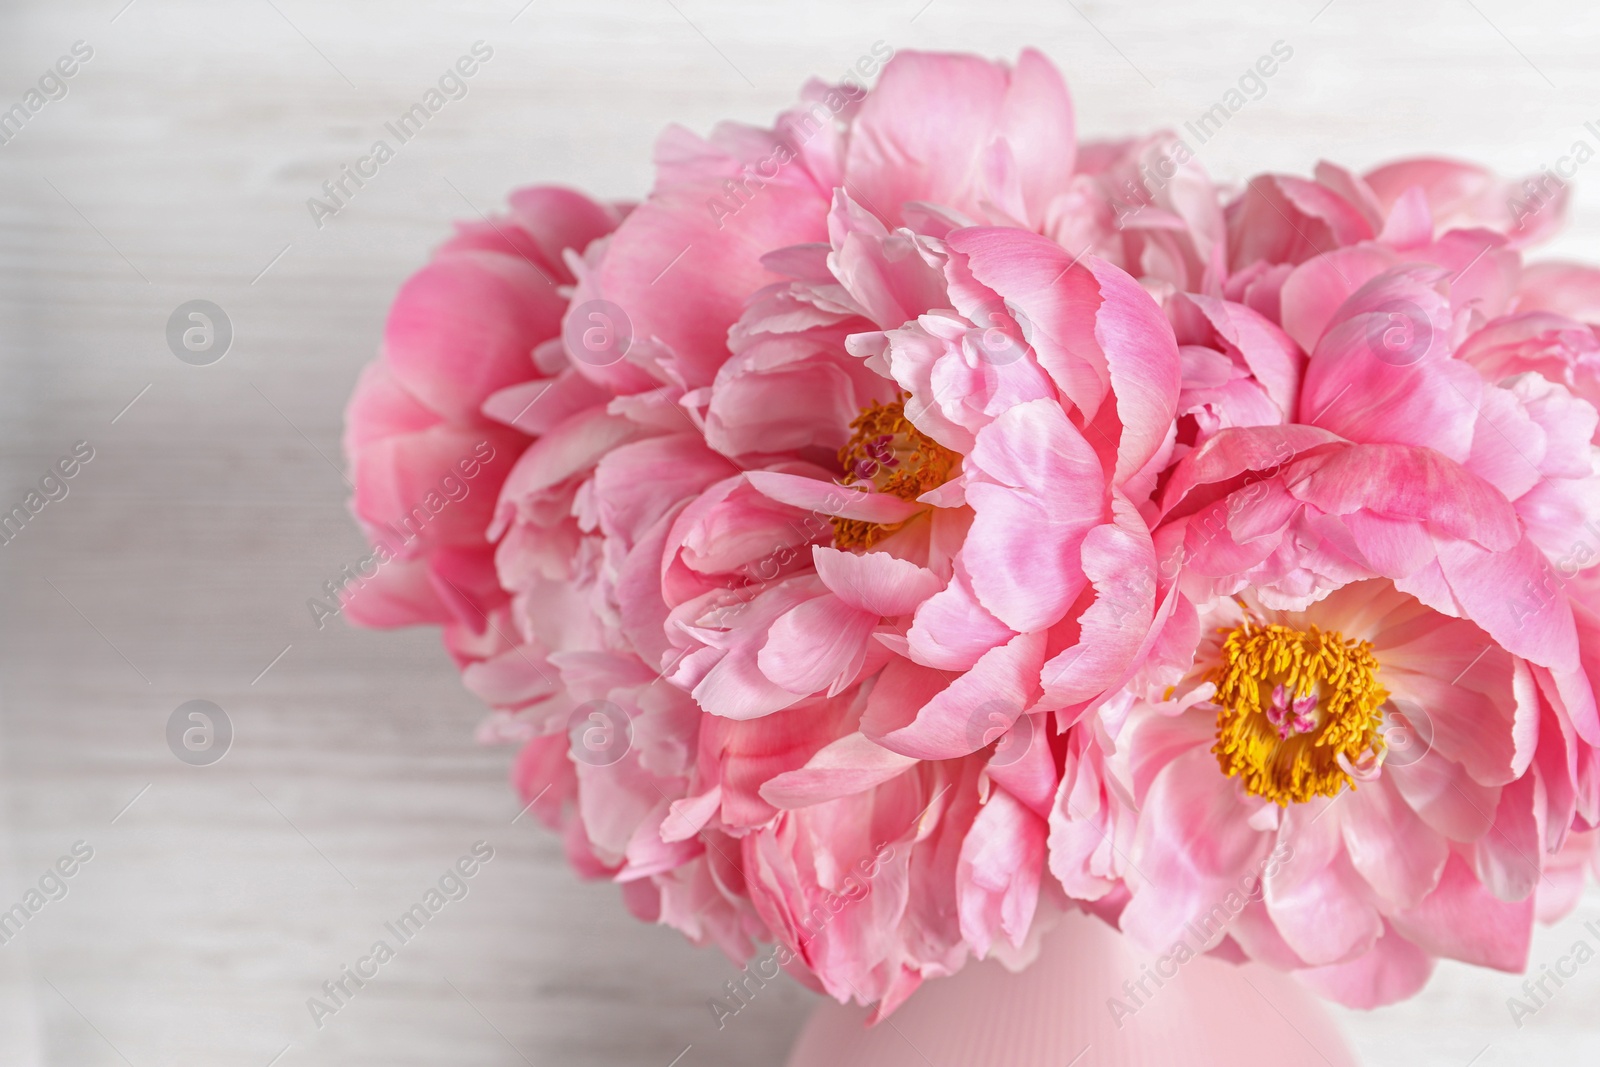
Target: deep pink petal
(466, 325)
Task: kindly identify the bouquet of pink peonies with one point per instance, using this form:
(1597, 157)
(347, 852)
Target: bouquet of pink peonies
(908, 525)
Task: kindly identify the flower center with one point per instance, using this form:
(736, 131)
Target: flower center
(892, 456)
(1298, 711)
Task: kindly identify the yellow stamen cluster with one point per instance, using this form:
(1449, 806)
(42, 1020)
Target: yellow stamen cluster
(1340, 674)
(886, 450)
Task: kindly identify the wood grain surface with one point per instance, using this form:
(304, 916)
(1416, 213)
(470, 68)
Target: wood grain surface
(177, 167)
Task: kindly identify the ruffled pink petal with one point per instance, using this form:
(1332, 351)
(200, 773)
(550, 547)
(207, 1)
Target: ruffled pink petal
(1119, 561)
(1382, 372)
(958, 718)
(829, 498)
(1510, 857)
(1040, 494)
(875, 582)
(1235, 451)
(1464, 195)
(1268, 351)
(1470, 692)
(852, 764)
(1447, 798)
(997, 878)
(1093, 327)
(574, 446)
(736, 687)
(816, 646)
(1315, 897)
(559, 219)
(951, 629)
(539, 406)
(781, 409)
(1409, 483)
(742, 756)
(1037, 124)
(638, 483)
(898, 151)
(434, 487)
(676, 232)
(1193, 842)
(1316, 289)
(1512, 594)
(381, 407)
(399, 594)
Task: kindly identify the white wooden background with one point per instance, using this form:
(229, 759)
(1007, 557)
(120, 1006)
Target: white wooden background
(178, 567)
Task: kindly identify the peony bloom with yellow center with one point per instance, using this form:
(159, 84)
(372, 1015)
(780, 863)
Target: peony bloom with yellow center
(1346, 788)
(1366, 737)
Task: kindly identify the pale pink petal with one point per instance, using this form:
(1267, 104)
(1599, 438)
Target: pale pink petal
(1041, 493)
(997, 879)
(819, 645)
(829, 498)
(1398, 854)
(1461, 920)
(920, 134)
(852, 764)
(1392, 970)
(875, 582)
(958, 718)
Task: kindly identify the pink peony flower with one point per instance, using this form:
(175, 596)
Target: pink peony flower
(1382, 722)
(1414, 809)
(908, 523)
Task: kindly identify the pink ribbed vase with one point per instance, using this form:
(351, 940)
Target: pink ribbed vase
(1057, 1013)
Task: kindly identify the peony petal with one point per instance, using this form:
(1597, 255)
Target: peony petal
(1039, 492)
(1461, 920)
(1398, 854)
(997, 878)
(466, 325)
(875, 582)
(816, 646)
(829, 498)
(920, 134)
(1514, 595)
(1392, 970)
(959, 718)
(850, 765)
(1409, 483)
